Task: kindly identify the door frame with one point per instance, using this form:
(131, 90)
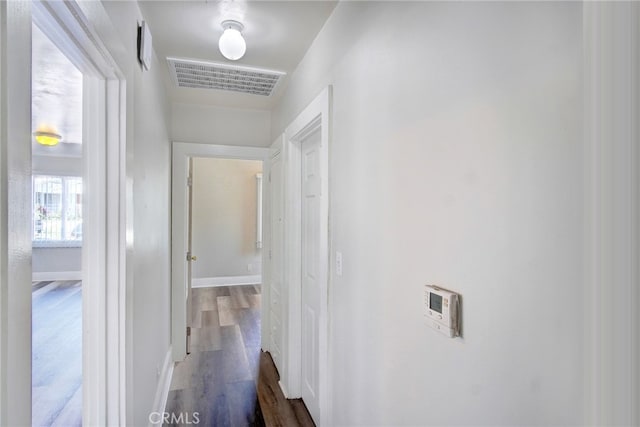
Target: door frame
(273, 301)
(317, 115)
(181, 153)
(79, 29)
(611, 92)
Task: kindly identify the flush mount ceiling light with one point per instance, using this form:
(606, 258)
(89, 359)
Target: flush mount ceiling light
(232, 44)
(47, 138)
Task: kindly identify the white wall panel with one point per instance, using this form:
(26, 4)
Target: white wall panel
(219, 125)
(456, 159)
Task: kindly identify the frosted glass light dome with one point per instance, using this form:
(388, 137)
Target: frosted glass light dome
(231, 43)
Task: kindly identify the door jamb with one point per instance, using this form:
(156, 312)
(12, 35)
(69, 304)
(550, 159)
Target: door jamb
(15, 209)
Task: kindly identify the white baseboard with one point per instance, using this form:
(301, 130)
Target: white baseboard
(162, 391)
(207, 282)
(284, 390)
(42, 276)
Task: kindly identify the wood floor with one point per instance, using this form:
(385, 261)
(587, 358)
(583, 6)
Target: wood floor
(220, 379)
(57, 353)
(277, 410)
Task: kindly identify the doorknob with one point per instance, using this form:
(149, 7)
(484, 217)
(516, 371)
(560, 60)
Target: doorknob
(194, 258)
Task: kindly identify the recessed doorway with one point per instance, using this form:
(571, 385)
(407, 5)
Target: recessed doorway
(57, 225)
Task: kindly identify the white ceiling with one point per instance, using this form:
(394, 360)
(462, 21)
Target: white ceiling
(278, 33)
(57, 91)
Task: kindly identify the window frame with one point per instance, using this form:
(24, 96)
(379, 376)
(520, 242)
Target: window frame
(51, 243)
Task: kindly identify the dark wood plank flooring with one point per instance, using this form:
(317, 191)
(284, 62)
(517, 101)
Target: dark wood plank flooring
(57, 353)
(276, 409)
(226, 378)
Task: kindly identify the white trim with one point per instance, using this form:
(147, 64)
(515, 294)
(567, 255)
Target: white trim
(15, 213)
(259, 210)
(164, 384)
(206, 282)
(267, 265)
(283, 388)
(612, 207)
(182, 152)
(315, 116)
(94, 266)
(42, 276)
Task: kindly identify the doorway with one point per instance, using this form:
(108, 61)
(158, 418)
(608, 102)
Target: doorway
(217, 222)
(305, 273)
(57, 192)
(182, 252)
(67, 25)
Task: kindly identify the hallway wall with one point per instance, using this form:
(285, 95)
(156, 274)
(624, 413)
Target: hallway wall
(220, 125)
(148, 216)
(456, 160)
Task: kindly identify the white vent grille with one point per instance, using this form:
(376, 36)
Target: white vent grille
(212, 75)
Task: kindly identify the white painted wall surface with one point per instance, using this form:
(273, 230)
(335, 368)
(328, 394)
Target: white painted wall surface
(456, 160)
(148, 213)
(219, 125)
(224, 218)
(53, 165)
(56, 259)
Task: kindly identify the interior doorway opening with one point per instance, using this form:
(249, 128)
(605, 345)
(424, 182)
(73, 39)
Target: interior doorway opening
(217, 211)
(57, 234)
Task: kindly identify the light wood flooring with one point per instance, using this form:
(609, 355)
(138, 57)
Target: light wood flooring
(57, 353)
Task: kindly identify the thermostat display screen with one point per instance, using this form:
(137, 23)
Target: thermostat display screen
(435, 302)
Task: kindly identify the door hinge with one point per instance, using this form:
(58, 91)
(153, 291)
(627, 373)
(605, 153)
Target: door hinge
(189, 182)
(269, 253)
(188, 256)
(269, 176)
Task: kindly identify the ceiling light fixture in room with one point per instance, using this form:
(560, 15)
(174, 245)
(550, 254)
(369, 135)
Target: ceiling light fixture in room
(47, 138)
(231, 43)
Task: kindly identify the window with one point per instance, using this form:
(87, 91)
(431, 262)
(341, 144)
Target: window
(57, 210)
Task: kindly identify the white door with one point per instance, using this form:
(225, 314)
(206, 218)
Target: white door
(276, 254)
(311, 274)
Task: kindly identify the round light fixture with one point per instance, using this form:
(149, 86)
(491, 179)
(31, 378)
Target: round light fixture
(47, 138)
(231, 43)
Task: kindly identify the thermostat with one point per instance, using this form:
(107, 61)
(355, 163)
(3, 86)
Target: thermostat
(441, 310)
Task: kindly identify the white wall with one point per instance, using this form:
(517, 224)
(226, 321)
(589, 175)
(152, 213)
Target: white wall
(52, 260)
(456, 160)
(148, 213)
(224, 218)
(219, 125)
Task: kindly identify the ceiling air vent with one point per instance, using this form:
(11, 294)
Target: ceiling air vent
(212, 75)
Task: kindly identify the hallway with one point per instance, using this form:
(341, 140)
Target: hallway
(217, 380)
